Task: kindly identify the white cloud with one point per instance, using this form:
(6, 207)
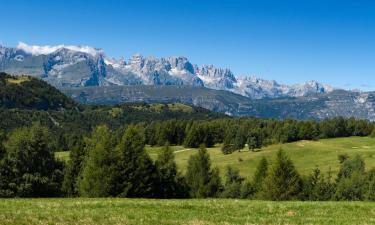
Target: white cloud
(44, 50)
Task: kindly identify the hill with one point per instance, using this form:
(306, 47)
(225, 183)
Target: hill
(29, 93)
(306, 155)
(314, 106)
(25, 100)
(213, 100)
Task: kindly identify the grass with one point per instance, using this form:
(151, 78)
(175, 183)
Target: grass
(190, 212)
(64, 156)
(172, 107)
(18, 80)
(305, 154)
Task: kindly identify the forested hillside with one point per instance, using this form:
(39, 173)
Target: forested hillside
(29, 93)
(25, 100)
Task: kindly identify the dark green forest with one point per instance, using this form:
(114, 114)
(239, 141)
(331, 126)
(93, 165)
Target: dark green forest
(108, 164)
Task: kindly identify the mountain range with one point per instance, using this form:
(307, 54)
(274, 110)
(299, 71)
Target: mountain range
(82, 66)
(89, 76)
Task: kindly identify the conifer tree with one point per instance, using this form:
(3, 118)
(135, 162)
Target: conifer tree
(29, 168)
(283, 181)
(202, 180)
(73, 169)
(233, 183)
(137, 175)
(99, 166)
(171, 183)
(317, 187)
(260, 173)
(239, 139)
(351, 180)
(370, 185)
(192, 139)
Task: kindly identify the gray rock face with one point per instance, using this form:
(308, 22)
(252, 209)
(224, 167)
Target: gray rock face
(82, 66)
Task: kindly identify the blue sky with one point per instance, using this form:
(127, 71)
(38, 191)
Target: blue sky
(288, 41)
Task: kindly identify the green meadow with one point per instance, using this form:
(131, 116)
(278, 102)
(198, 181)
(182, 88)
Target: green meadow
(189, 212)
(306, 155)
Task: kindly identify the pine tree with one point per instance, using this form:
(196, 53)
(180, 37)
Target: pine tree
(29, 168)
(370, 185)
(202, 180)
(283, 181)
(254, 139)
(192, 139)
(349, 166)
(73, 169)
(351, 188)
(316, 187)
(2, 148)
(99, 166)
(260, 173)
(351, 180)
(171, 183)
(239, 139)
(233, 183)
(137, 175)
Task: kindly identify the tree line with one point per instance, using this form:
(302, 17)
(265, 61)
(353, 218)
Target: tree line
(236, 133)
(115, 164)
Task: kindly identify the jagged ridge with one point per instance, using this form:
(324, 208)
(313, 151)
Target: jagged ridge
(81, 66)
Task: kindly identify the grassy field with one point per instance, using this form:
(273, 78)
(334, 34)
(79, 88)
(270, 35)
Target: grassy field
(305, 154)
(190, 212)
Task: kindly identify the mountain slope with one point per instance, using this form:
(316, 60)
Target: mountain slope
(82, 66)
(30, 93)
(313, 106)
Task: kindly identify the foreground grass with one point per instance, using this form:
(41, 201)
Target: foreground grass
(305, 154)
(218, 211)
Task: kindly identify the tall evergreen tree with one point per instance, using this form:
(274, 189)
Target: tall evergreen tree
(233, 183)
(171, 183)
(283, 181)
(73, 169)
(317, 187)
(192, 139)
(202, 180)
(29, 168)
(137, 175)
(239, 139)
(2, 148)
(370, 185)
(351, 180)
(98, 175)
(260, 173)
(349, 166)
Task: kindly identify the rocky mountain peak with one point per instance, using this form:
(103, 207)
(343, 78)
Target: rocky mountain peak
(72, 66)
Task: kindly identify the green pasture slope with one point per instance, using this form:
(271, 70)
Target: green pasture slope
(305, 154)
(189, 212)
